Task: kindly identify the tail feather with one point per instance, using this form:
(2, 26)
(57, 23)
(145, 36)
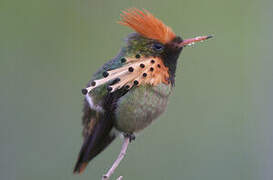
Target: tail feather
(87, 152)
(95, 143)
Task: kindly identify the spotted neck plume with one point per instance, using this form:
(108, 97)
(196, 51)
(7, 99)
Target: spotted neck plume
(138, 70)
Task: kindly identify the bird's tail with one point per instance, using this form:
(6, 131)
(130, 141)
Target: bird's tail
(87, 153)
(95, 143)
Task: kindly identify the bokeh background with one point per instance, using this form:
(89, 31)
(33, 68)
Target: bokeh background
(218, 125)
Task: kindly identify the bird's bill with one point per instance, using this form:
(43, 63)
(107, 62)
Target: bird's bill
(191, 41)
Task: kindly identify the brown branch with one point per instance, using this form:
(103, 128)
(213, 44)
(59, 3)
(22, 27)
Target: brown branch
(118, 160)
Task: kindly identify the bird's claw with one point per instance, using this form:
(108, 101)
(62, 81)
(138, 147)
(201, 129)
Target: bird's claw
(131, 137)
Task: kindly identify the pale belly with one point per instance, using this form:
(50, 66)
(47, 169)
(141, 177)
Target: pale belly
(138, 108)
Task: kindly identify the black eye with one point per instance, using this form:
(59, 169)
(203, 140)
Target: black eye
(157, 46)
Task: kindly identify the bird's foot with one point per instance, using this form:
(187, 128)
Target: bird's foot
(131, 137)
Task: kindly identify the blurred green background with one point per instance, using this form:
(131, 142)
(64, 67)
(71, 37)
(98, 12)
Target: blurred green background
(218, 125)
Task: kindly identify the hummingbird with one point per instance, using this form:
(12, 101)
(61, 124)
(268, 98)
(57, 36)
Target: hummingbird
(130, 91)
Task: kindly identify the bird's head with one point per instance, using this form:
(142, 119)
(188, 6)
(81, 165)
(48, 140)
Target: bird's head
(154, 38)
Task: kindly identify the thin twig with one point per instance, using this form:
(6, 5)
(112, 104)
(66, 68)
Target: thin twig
(118, 160)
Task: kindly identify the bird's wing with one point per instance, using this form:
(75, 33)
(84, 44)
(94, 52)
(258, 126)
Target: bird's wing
(97, 135)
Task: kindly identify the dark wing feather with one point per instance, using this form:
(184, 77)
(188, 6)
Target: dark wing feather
(89, 119)
(97, 136)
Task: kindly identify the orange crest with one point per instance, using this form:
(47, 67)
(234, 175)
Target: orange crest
(147, 25)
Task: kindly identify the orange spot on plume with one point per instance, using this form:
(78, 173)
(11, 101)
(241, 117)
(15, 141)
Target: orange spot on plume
(144, 23)
(82, 168)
